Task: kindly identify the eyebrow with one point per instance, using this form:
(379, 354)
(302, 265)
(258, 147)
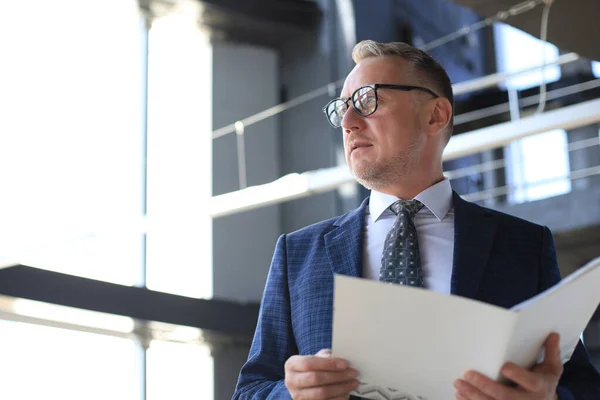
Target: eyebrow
(345, 97)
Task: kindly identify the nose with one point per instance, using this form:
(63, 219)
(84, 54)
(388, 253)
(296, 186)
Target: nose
(351, 121)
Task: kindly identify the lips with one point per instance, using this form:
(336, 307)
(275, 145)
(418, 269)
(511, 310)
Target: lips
(358, 145)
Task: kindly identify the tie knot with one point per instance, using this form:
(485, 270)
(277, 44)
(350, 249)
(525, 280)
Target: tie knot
(411, 207)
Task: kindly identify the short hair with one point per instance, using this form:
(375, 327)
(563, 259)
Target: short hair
(425, 67)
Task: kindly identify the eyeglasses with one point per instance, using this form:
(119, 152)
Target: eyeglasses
(364, 102)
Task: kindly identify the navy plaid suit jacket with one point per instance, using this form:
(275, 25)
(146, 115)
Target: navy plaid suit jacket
(498, 259)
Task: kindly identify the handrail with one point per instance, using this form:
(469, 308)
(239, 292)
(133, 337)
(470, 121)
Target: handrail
(507, 189)
(492, 80)
(499, 135)
(524, 102)
(458, 89)
(296, 185)
(515, 9)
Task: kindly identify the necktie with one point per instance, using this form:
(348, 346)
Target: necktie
(401, 261)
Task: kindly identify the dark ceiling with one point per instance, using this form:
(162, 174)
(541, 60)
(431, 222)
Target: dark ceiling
(573, 25)
(261, 22)
(269, 22)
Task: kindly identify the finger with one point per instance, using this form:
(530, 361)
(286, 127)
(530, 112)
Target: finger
(320, 378)
(552, 354)
(460, 396)
(489, 387)
(315, 363)
(329, 391)
(468, 391)
(344, 397)
(530, 381)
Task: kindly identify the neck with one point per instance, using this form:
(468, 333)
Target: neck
(412, 185)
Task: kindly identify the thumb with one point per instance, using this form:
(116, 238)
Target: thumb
(324, 353)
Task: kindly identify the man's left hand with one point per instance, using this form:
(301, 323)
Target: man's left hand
(538, 384)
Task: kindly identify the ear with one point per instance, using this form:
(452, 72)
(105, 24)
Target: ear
(439, 115)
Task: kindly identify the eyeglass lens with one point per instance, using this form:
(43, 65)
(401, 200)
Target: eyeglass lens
(364, 101)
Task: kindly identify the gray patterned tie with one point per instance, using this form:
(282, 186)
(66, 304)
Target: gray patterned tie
(401, 261)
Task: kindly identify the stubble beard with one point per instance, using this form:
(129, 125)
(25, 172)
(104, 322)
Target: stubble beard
(378, 174)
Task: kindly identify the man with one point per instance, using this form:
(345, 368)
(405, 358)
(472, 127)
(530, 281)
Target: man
(395, 113)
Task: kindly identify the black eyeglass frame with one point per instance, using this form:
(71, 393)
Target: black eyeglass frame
(375, 87)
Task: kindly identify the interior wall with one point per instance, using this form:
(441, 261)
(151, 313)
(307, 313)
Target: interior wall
(307, 141)
(246, 81)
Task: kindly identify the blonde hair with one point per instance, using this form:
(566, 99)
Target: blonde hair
(425, 68)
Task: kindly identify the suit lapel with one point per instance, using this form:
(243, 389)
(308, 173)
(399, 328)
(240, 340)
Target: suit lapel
(474, 229)
(344, 243)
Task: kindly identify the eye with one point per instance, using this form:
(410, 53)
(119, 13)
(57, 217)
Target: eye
(341, 108)
(366, 102)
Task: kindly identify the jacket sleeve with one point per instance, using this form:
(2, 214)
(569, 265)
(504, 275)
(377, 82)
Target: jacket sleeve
(580, 380)
(262, 376)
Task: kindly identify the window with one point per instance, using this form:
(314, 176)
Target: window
(541, 167)
(178, 370)
(517, 50)
(596, 68)
(71, 136)
(537, 166)
(40, 362)
(179, 247)
(73, 155)
(90, 348)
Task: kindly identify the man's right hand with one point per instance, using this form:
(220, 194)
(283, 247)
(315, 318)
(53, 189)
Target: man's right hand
(319, 377)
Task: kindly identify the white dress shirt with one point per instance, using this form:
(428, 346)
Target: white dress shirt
(435, 231)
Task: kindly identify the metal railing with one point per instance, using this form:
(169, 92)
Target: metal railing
(298, 185)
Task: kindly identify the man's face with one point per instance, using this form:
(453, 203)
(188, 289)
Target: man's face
(387, 146)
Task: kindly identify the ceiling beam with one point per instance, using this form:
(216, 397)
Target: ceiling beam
(217, 316)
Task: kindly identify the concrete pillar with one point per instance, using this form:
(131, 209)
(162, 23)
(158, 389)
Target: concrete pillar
(307, 140)
(245, 81)
(228, 360)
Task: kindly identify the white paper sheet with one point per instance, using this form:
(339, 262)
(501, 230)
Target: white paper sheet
(411, 344)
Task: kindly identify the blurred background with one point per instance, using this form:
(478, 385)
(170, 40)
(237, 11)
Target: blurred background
(152, 151)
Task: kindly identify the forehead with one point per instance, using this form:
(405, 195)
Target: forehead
(387, 69)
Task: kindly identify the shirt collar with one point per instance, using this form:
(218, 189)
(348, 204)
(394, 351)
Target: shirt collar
(437, 198)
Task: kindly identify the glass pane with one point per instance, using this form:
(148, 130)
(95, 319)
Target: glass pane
(517, 50)
(40, 362)
(71, 135)
(596, 68)
(53, 314)
(179, 244)
(544, 166)
(179, 370)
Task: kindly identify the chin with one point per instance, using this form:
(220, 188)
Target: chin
(375, 176)
(369, 177)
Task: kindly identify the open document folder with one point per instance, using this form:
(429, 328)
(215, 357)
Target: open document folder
(411, 344)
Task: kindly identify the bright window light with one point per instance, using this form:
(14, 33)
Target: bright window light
(70, 315)
(71, 136)
(41, 362)
(545, 165)
(181, 371)
(539, 166)
(596, 68)
(179, 245)
(532, 161)
(517, 50)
